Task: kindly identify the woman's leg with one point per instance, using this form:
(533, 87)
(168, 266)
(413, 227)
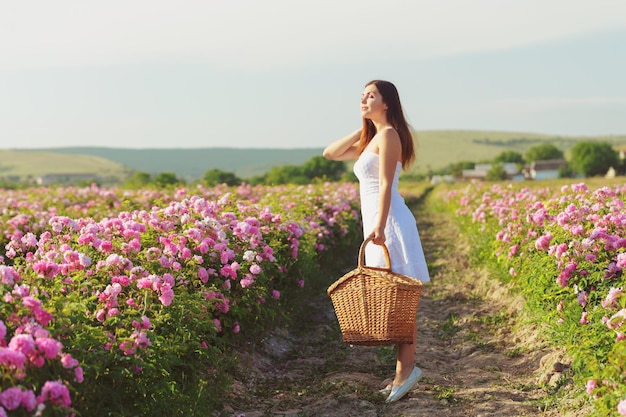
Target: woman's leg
(406, 360)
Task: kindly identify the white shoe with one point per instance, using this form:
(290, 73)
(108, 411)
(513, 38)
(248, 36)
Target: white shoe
(386, 390)
(399, 391)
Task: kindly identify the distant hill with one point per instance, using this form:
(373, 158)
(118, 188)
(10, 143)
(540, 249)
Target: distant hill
(435, 150)
(33, 164)
(439, 148)
(193, 163)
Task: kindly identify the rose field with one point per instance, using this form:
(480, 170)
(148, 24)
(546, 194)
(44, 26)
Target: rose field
(134, 303)
(120, 303)
(562, 247)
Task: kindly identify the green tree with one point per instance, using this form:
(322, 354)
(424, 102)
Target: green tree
(456, 169)
(509, 156)
(496, 173)
(286, 174)
(593, 158)
(566, 172)
(543, 152)
(165, 179)
(320, 167)
(214, 177)
(137, 180)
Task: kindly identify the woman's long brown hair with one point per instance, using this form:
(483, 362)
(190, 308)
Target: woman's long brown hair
(395, 117)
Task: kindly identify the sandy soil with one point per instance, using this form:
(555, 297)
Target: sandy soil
(478, 356)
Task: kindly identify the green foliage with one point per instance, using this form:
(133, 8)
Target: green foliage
(509, 156)
(185, 363)
(137, 180)
(322, 168)
(286, 174)
(552, 246)
(496, 173)
(167, 179)
(215, 177)
(543, 152)
(593, 158)
(566, 171)
(317, 168)
(10, 183)
(348, 176)
(456, 169)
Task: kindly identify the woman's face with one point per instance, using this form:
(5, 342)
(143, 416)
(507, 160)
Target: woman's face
(372, 104)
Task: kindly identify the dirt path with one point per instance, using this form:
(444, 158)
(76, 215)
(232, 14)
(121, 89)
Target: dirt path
(477, 359)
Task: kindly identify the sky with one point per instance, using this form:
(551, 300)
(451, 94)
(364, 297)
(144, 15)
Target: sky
(289, 73)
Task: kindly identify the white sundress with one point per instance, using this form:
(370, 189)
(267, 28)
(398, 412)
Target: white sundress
(402, 237)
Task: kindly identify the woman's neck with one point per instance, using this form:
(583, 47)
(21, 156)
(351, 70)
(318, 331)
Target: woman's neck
(381, 124)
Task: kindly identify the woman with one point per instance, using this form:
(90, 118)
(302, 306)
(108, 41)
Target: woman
(382, 148)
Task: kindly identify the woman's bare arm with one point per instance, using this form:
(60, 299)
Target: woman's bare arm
(389, 151)
(344, 149)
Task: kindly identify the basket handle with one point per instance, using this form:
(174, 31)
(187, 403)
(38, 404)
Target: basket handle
(362, 253)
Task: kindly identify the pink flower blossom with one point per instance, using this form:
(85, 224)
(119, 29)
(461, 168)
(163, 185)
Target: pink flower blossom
(203, 275)
(78, 374)
(145, 282)
(46, 269)
(29, 401)
(8, 275)
(23, 343)
(590, 257)
(218, 325)
(167, 295)
(11, 398)
(621, 407)
(165, 261)
(583, 318)
(55, 393)
(247, 280)
(560, 250)
(617, 319)
(101, 315)
(141, 340)
(106, 246)
(543, 242)
(49, 347)
(12, 358)
(224, 305)
(591, 385)
(21, 290)
(583, 298)
(610, 299)
(68, 361)
(566, 274)
(228, 272)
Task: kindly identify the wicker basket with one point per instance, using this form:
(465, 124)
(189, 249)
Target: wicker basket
(375, 306)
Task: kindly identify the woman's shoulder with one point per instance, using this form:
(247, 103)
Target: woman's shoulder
(389, 135)
(389, 130)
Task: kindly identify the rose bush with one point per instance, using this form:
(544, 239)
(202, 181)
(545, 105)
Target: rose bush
(122, 303)
(565, 251)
